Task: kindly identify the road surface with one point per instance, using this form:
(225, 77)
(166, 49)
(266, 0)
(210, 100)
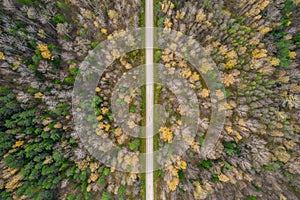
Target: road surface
(149, 99)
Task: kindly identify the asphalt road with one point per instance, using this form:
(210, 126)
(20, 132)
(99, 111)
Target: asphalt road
(149, 99)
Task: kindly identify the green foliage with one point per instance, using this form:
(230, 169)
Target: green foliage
(14, 161)
(214, 177)
(28, 2)
(62, 109)
(283, 52)
(121, 189)
(201, 140)
(6, 142)
(251, 198)
(59, 18)
(134, 144)
(8, 104)
(296, 40)
(288, 7)
(205, 164)
(45, 194)
(231, 148)
(160, 21)
(132, 109)
(74, 71)
(69, 80)
(269, 167)
(94, 44)
(156, 7)
(227, 165)
(106, 195)
(62, 5)
(181, 174)
(106, 171)
(101, 180)
(5, 195)
(157, 55)
(39, 179)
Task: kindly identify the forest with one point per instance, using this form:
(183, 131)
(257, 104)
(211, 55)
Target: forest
(255, 45)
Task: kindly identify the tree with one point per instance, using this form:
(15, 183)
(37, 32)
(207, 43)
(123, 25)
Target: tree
(6, 142)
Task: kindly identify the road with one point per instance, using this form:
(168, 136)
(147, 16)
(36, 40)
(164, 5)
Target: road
(149, 99)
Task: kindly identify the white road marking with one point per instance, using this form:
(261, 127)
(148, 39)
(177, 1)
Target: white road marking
(149, 99)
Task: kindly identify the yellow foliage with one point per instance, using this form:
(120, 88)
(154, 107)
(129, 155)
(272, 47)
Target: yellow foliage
(223, 49)
(100, 117)
(228, 129)
(195, 146)
(205, 67)
(288, 37)
(118, 131)
(18, 143)
(94, 166)
(107, 127)
(94, 177)
(104, 110)
(179, 15)
(205, 93)
(57, 125)
(231, 54)
(220, 95)
(172, 6)
(208, 24)
(173, 184)
(230, 64)
(284, 79)
(166, 134)
(223, 178)
(38, 95)
(48, 160)
(85, 26)
(186, 73)
(259, 53)
(131, 124)
(168, 24)
(254, 41)
(216, 44)
(98, 131)
(104, 31)
(112, 169)
(199, 192)
(200, 17)
(88, 188)
(195, 76)
(45, 51)
(253, 12)
(112, 14)
(274, 61)
(265, 30)
(263, 5)
(96, 24)
(228, 79)
(292, 55)
(2, 56)
(182, 164)
(86, 13)
(238, 136)
(83, 164)
(14, 182)
(9, 172)
(98, 89)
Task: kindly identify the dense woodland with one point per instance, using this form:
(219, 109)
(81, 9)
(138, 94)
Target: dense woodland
(255, 45)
